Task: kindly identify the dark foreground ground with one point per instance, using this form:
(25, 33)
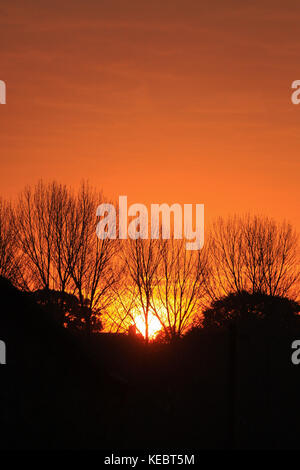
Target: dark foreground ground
(204, 392)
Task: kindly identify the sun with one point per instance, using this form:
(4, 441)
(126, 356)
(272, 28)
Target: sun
(154, 325)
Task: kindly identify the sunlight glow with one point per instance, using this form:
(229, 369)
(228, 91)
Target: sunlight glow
(154, 325)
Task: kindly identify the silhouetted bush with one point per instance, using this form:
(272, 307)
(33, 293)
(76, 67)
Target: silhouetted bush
(245, 307)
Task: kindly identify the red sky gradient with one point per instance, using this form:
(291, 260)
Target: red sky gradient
(163, 101)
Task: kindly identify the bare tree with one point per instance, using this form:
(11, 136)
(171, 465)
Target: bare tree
(57, 235)
(66, 242)
(10, 256)
(179, 287)
(46, 225)
(34, 219)
(96, 269)
(121, 314)
(141, 258)
(253, 254)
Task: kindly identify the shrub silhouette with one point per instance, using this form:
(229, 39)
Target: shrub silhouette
(248, 307)
(66, 309)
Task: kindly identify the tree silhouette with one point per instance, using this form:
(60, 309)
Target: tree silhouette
(254, 254)
(179, 286)
(66, 309)
(95, 270)
(245, 307)
(40, 218)
(141, 258)
(56, 234)
(10, 256)
(48, 243)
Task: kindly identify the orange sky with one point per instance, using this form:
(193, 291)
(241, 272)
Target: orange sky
(163, 101)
